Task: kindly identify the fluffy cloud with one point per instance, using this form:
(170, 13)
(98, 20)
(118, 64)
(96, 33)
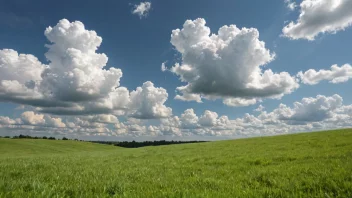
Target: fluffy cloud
(7, 121)
(163, 67)
(20, 75)
(148, 102)
(208, 119)
(75, 72)
(142, 9)
(240, 102)
(189, 123)
(54, 122)
(189, 120)
(31, 118)
(226, 65)
(320, 16)
(290, 4)
(37, 123)
(260, 108)
(76, 81)
(335, 75)
(310, 109)
(318, 113)
(313, 113)
(37, 119)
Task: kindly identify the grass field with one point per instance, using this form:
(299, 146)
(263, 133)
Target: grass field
(301, 165)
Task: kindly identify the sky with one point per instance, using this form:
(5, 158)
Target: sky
(174, 70)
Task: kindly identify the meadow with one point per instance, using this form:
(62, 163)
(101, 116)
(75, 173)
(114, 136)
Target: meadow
(315, 164)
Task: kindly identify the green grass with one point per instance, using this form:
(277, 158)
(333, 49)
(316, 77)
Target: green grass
(301, 165)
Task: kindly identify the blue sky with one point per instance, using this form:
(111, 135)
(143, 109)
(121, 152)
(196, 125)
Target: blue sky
(139, 45)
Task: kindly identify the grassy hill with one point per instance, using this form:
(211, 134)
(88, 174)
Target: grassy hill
(36, 147)
(301, 165)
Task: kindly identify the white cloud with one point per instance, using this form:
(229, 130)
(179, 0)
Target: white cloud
(239, 102)
(142, 9)
(320, 16)
(186, 96)
(260, 108)
(189, 120)
(76, 81)
(54, 122)
(208, 119)
(313, 109)
(97, 120)
(335, 75)
(307, 111)
(37, 119)
(313, 113)
(226, 65)
(290, 4)
(163, 67)
(148, 102)
(20, 75)
(31, 118)
(76, 72)
(7, 121)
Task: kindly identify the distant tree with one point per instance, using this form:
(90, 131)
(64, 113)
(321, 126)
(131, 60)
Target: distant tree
(7, 137)
(64, 138)
(135, 144)
(76, 139)
(44, 137)
(51, 138)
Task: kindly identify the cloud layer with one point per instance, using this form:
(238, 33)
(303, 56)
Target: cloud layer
(227, 65)
(309, 114)
(320, 16)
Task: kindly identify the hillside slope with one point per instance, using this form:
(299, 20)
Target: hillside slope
(301, 165)
(30, 147)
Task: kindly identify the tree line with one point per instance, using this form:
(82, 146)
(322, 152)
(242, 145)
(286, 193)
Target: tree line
(37, 137)
(134, 144)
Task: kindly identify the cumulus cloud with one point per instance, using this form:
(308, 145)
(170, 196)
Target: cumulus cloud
(260, 108)
(189, 120)
(54, 122)
(335, 75)
(20, 75)
(142, 9)
(312, 113)
(189, 123)
(320, 16)
(311, 109)
(76, 81)
(7, 121)
(30, 118)
(148, 102)
(226, 65)
(76, 71)
(34, 123)
(208, 119)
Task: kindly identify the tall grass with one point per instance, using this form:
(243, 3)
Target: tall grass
(302, 165)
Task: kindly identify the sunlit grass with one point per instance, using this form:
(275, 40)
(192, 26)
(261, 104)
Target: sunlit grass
(302, 165)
